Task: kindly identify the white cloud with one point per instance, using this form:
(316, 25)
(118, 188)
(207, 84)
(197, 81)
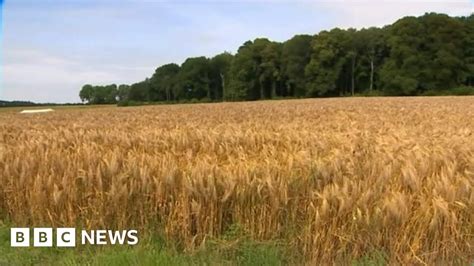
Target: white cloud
(33, 75)
(359, 14)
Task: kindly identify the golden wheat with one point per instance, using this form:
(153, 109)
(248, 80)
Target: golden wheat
(336, 178)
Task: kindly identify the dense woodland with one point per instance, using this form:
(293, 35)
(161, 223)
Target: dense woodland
(428, 55)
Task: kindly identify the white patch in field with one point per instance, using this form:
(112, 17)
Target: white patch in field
(36, 111)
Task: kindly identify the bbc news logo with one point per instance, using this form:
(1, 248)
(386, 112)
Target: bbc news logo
(66, 237)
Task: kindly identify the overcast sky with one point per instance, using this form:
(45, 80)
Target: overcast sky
(51, 48)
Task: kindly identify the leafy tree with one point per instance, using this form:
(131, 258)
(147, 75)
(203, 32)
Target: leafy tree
(243, 75)
(271, 68)
(194, 79)
(261, 66)
(327, 62)
(87, 93)
(110, 93)
(140, 91)
(256, 70)
(123, 92)
(219, 69)
(99, 94)
(163, 81)
(353, 48)
(373, 53)
(426, 53)
(296, 55)
(432, 53)
(445, 51)
(468, 47)
(401, 72)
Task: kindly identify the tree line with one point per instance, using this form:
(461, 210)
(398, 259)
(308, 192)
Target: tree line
(430, 54)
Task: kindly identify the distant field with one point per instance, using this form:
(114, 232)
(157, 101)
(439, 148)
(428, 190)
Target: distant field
(329, 180)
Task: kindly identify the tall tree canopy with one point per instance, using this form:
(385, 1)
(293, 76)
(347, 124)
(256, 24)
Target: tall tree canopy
(295, 56)
(163, 83)
(220, 74)
(99, 94)
(329, 56)
(194, 79)
(433, 53)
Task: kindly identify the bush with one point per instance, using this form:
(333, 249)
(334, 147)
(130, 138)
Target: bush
(463, 90)
(206, 100)
(130, 103)
(373, 93)
(431, 93)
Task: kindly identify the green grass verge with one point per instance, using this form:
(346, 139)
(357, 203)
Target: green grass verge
(147, 252)
(227, 250)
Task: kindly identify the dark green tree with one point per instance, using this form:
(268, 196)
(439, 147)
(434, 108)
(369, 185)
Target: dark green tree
(163, 82)
(327, 61)
(432, 53)
(256, 70)
(373, 52)
(194, 79)
(123, 92)
(87, 93)
(426, 53)
(296, 54)
(140, 91)
(468, 46)
(243, 75)
(271, 76)
(99, 94)
(401, 73)
(220, 74)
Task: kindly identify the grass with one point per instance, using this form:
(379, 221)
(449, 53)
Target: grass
(148, 252)
(226, 251)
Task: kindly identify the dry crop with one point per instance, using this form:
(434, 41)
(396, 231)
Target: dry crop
(334, 178)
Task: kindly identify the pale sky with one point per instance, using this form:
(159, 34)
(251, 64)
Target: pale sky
(51, 48)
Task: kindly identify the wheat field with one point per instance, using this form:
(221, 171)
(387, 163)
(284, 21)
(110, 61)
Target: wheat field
(333, 178)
